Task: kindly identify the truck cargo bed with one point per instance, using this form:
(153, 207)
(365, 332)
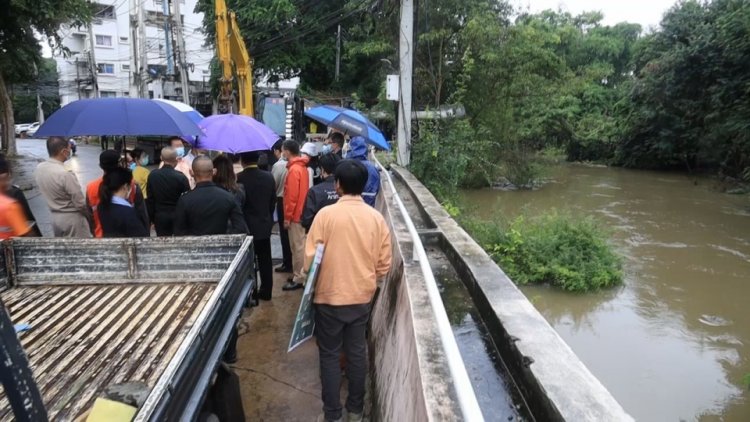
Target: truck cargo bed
(89, 333)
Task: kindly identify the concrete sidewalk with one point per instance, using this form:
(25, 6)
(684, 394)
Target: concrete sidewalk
(276, 385)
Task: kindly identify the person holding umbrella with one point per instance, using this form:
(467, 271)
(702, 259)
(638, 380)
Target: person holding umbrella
(358, 151)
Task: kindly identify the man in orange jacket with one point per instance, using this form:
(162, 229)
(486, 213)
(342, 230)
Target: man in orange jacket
(295, 191)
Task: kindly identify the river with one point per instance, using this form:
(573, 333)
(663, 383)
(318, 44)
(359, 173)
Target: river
(672, 343)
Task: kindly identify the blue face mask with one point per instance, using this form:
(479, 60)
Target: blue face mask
(327, 149)
(180, 152)
(131, 166)
(144, 161)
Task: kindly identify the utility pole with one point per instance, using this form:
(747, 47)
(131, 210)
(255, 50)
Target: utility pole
(168, 37)
(92, 61)
(39, 111)
(338, 52)
(135, 76)
(406, 58)
(182, 60)
(143, 62)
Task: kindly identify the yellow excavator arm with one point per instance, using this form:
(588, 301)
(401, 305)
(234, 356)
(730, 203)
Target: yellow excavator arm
(233, 53)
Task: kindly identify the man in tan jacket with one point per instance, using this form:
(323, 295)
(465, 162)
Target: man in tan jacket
(61, 190)
(357, 252)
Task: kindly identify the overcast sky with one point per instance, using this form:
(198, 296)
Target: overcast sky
(645, 12)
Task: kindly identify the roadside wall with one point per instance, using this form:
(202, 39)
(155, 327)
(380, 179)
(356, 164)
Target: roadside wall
(552, 379)
(410, 377)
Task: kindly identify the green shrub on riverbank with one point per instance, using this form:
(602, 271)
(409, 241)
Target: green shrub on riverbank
(557, 249)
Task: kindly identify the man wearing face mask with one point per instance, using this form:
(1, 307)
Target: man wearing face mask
(185, 158)
(138, 167)
(165, 186)
(60, 188)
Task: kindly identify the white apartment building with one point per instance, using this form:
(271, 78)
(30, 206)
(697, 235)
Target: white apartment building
(113, 52)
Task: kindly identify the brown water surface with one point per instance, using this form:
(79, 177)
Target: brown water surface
(673, 343)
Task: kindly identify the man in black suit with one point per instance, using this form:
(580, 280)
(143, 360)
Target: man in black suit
(260, 191)
(208, 208)
(164, 188)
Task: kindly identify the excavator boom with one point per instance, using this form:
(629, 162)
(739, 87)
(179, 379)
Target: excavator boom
(234, 60)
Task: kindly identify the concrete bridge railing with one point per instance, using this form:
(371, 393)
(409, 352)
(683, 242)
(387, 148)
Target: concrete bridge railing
(552, 379)
(418, 371)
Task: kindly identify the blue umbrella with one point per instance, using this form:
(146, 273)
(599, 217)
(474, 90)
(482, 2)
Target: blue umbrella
(349, 121)
(118, 116)
(192, 113)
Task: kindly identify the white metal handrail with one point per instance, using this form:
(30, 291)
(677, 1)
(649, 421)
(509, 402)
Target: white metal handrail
(467, 400)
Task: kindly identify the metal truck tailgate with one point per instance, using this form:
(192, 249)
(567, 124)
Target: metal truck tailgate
(137, 324)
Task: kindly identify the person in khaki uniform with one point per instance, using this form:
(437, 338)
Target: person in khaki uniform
(60, 188)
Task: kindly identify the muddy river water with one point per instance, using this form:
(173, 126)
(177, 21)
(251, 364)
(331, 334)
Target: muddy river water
(673, 343)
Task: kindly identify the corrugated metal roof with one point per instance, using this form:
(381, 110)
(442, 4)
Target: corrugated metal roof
(84, 338)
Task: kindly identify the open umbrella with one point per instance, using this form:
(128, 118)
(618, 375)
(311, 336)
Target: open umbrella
(118, 116)
(235, 133)
(349, 121)
(190, 112)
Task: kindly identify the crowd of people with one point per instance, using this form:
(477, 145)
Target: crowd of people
(314, 192)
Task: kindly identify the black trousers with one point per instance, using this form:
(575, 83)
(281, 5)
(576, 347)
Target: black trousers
(265, 267)
(164, 223)
(286, 249)
(337, 326)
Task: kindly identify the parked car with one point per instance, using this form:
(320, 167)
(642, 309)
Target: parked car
(24, 127)
(31, 131)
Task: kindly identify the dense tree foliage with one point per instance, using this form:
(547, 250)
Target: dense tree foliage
(674, 98)
(690, 102)
(20, 50)
(24, 95)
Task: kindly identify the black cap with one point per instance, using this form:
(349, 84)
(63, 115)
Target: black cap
(109, 159)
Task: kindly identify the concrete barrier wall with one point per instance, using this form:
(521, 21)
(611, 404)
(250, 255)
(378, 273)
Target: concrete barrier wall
(410, 379)
(553, 380)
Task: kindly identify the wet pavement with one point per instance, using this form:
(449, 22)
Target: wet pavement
(275, 385)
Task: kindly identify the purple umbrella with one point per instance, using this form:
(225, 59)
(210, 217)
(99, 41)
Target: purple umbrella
(235, 133)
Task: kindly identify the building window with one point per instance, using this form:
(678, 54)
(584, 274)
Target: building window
(103, 11)
(123, 40)
(104, 41)
(125, 67)
(108, 94)
(105, 68)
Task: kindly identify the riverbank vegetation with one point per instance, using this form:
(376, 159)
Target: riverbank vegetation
(670, 98)
(554, 248)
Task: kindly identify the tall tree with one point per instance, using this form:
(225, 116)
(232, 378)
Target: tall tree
(20, 49)
(690, 103)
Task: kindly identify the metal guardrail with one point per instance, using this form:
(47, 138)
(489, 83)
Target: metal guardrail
(467, 399)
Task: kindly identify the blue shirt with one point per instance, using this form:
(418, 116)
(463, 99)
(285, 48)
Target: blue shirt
(121, 201)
